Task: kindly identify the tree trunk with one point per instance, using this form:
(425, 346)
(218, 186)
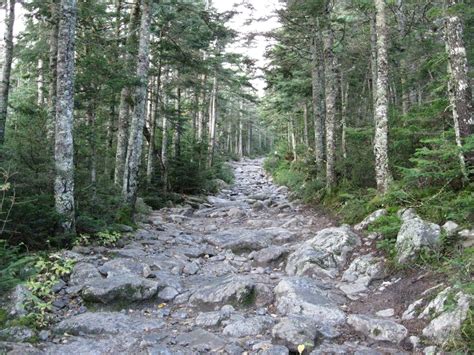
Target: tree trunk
(177, 126)
(249, 139)
(403, 63)
(240, 150)
(382, 173)
(40, 84)
(331, 90)
(373, 60)
(212, 121)
(154, 117)
(126, 99)
(53, 63)
(292, 137)
(460, 86)
(90, 113)
(64, 148)
(344, 98)
(6, 70)
(134, 150)
(305, 121)
(317, 80)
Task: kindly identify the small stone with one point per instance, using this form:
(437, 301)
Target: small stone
(386, 313)
(168, 293)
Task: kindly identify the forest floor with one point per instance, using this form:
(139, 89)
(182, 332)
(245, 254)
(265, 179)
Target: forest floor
(230, 277)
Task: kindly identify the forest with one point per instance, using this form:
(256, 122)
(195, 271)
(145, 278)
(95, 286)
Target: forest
(112, 111)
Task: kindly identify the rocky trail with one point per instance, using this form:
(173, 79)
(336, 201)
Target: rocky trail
(248, 271)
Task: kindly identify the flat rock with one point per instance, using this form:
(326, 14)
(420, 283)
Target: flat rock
(120, 288)
(295, 330)
(378, 329)
(201, 340)
(248, 327)
(270, 254)
(107, 323)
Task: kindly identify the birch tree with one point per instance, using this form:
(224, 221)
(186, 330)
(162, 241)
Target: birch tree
(382, 173)
(7, 66)
(135, 142)
(64, 147)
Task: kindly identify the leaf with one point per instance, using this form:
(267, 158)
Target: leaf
(301, 348)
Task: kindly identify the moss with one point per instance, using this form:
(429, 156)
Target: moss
(3, 318)
(248, 299)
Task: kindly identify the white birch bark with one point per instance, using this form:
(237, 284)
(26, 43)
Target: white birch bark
(135, 142)
(382, 172)
(64, 148)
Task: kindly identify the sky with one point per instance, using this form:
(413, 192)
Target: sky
(240, 23)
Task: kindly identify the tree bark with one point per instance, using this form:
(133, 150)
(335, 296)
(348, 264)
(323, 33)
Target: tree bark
(331, 90)
(344, 101)
(460, 89)
(154, 117)
(240, 146)
(317, 82)
(126, 98)
(212, 122)
(53, 63)
(382, 172)
(64, 148)
(7, 66)
(305, 122)
(373, 59)
(135, 142)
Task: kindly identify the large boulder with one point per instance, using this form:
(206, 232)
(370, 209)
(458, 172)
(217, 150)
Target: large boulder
(448, 315)
(304, 297)
(125, 287)
(325, 254)
(294, 331)
(378, 329)
(414, 235)
(361, 272)
(371, 218)
(242, 290)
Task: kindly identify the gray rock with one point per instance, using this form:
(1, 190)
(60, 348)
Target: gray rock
(201, 340)
(274, 350)
(107, 323)
(19, 334)
(302, 296)
(83, 273)
(209, 319)
(324, 254)
(236, 213)
(447, 323)
(414, 235)
(235, 289)
(293, 331)
(120, 288)
(270, 254)
(467, 238)
(371, 218)
(412, 310)
(450, 228)
(123, 344)
(248, 327)
(17, 301)
(123, 266)
(191, 268)
(386, 313)
(12, 348)
(362, 271)
(168, 294)
(378, 329)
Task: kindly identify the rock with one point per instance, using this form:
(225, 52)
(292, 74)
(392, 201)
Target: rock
(324, 254)
(386, 313)
(209, 319)
(406, 214)
(270, 254)
(467, 238)
(12, 348)
(378, 329)
(168, 294)
(201, 340)
(412, 310)
(44, 335)
(248, 327)
(17, 301)
(236, 213)
(436, 305)
(450, 228)
(83, 273)
(447, 324)
(107, 323)
(430, 350)
(362, 271)
(235, 289)
(302, 296)
(123, 228)
(120, 288)
(191, 268)
(274, 350)
(123, 266)
(414, 235)
(293, 331)
(371, 218)
(18, 334)
(123, 344)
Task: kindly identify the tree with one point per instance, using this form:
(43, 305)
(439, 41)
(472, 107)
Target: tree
(135, 142)
(64, 147)
(459, 83)
(7, 66)
(382, 173)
